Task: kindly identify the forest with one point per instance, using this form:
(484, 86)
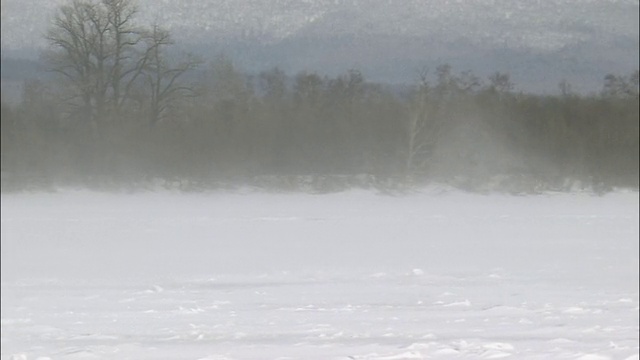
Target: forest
(124, 111)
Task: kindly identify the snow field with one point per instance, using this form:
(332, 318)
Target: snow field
(354, 275)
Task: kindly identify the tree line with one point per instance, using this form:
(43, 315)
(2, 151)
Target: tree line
(125, 110)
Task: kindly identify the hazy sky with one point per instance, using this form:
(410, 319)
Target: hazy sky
(544, 25)
(538, 42)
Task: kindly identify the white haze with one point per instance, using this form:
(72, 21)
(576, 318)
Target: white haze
(354, 275)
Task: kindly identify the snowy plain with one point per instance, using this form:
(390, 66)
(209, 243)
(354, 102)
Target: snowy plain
(353, 275)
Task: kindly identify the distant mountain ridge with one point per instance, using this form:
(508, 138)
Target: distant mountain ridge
(580, 40)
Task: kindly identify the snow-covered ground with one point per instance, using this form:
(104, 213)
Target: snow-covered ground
(353, 275)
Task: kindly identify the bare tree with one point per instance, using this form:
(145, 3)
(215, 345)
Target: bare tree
(73, 37)
(617, 86)
(566, 89)
(422, 128)
(500, 83)
(103, 55)
(468, 82)
(127, 59)
(93, 45)
(274, 84)
(163, 79)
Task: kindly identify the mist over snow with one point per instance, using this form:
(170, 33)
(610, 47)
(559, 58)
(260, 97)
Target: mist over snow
(353, 275)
